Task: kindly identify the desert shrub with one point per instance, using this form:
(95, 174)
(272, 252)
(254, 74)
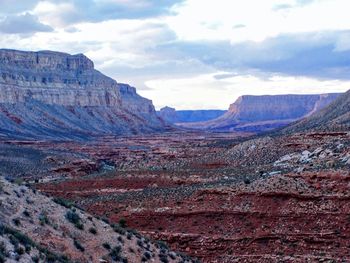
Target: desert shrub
(106, 246)
(35, 259)
(3, 253)
(106, 220)
(93, 230)
(115, 253)
(119, 229)
(43, 219)
(163, 258)
(120, 239)
(75, 219)
(147, 255)
(78, 245)
(139, 243)
(19, 250)
(26, 213)
(162, 245)
(63, 202)
(122, 223)
(16, 221)
(172, 255)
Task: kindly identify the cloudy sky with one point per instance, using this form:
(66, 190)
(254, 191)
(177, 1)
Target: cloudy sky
(194, 54)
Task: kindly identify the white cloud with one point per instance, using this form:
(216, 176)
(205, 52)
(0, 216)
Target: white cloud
(260, 18)
(208, 92)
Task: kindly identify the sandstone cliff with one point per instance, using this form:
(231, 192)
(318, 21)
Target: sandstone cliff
(261, 113)
(334, 117)
(57, 95)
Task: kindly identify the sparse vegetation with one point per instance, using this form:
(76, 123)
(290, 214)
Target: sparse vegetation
(63, 202)
(75, 219)
(17, 239)
(78, 245)
(43, 219)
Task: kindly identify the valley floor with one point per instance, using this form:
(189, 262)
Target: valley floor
(217, 197)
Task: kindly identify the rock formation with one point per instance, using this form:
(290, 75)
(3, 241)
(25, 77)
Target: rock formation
(172, 115)
(56, 95)
(261, 113)
(335, 117)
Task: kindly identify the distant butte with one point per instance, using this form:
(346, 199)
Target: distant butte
(262, 113)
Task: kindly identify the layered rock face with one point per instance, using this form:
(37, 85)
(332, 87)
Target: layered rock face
(335, 117)
(172, 115)
(54, 94)
(261, 113)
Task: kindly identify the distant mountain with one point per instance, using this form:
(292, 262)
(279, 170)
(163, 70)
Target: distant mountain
(262, 113)
(335, 117)
(172, 115)
(55, 95)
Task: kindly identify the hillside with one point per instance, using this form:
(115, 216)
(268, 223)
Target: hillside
(335, 117)
(55, 95)
(36, 228)
(261, 113)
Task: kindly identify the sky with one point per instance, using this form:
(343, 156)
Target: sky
(194, 54)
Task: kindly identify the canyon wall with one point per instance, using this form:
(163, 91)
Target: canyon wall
(53, 94)
(261, 113)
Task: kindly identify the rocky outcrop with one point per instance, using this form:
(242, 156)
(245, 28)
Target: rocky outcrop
(57, 95)
(261, 113)
(172, 115)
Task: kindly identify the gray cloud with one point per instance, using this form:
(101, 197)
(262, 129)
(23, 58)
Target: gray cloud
(22, 24)
(97, 11)
(309, 54)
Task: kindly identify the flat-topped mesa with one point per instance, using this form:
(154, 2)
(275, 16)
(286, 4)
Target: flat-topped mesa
(54, 78)
(65, 92)
(45, 60)
(277, 107)
(262, 113)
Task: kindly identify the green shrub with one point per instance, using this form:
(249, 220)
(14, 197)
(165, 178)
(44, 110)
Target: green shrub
(75, 219)
(63, 202)
(43, 219)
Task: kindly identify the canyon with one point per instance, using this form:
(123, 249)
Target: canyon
(90, 173)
